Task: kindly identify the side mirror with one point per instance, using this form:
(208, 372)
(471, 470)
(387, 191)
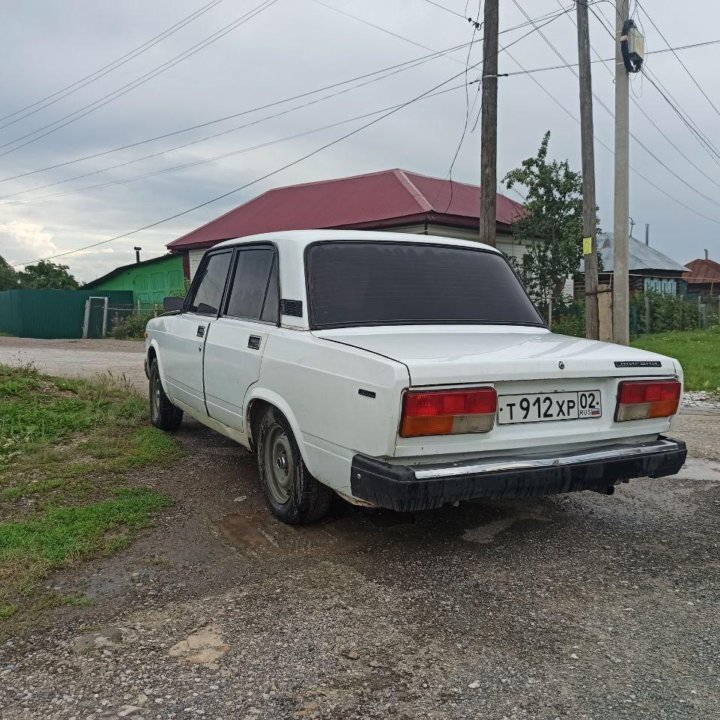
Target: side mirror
(173, 304)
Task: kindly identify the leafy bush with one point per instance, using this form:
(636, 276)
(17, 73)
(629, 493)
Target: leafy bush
(133, 326)
(653, 312)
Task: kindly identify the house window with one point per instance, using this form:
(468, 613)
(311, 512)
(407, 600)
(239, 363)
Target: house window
(664, 286)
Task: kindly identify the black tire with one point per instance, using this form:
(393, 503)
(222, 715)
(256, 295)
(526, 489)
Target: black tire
(292, 493)
(163, 414)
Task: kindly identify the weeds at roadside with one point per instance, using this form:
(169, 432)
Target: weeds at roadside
(69, 455)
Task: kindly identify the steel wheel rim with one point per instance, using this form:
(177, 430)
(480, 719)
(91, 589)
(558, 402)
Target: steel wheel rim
(155, 397)
(279, 465)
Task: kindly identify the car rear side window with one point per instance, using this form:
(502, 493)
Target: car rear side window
(209, 286)
(388, 283)
(254, 291)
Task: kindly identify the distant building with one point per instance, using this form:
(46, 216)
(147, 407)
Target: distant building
(703, 277)
(394, 200)
(150, 281)
(650, 270)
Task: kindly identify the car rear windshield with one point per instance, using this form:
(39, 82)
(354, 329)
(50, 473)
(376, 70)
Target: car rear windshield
(389, 283)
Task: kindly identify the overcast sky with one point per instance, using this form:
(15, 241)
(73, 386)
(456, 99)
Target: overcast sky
(295, 46)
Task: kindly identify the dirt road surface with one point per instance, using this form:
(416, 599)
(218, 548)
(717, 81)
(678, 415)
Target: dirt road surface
(580, 606)
(78, 358)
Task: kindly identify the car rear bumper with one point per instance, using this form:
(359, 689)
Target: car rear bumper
(408, 488)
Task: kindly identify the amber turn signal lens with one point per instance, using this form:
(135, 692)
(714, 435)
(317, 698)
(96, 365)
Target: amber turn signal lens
(643, 399)
(448, 412)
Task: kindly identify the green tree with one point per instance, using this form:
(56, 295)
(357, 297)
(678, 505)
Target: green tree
(8, 276)
(47, 274)
(551, 228)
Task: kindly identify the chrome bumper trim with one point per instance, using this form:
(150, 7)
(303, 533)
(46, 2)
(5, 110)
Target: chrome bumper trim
(608, 452)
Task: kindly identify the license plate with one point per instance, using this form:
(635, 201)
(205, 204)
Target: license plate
(543, 407)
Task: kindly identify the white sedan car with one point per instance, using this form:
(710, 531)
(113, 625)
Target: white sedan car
(402, 371)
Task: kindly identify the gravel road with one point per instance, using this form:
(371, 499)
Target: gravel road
(581, 606)
(78, 358)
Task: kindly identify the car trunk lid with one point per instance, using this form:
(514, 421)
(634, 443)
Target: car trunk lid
(458, 355)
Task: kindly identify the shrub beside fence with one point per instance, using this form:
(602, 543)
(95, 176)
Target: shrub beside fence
(649, 313)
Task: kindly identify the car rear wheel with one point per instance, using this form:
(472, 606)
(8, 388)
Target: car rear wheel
(163, 414)
(292, 493)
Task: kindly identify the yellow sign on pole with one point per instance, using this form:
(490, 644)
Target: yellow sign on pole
(587, 246)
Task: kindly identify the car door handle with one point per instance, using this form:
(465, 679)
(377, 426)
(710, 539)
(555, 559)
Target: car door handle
(254, 342)
(201, 331)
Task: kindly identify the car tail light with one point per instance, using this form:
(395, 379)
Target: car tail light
(447, 412)
(647, 399)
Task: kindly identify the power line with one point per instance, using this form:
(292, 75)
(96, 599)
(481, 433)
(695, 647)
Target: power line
(119, 92)
(563, 66)
(677, 57)
(685, 117)
(73, 87)
(232, 153)
(215, 121)
(256, 180)
(603, 144)
(405, 66)
(650, 119)
(267, 175)
(476, 27)
(409, 63)
(611, 113)
(650, 182)
(446, 9)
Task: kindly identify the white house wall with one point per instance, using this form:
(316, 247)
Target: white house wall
(194, 258)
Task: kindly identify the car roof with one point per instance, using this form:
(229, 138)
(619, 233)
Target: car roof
(299, 239)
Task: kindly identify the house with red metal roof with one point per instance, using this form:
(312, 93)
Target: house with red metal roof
(702, 276)
(394, 200)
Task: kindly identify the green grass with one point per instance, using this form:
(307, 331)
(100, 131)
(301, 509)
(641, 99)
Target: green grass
(70, 452)
(59, 534)
(697, 350)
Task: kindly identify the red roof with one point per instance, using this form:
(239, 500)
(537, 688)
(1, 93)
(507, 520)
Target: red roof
(374, 201)
(702, 271)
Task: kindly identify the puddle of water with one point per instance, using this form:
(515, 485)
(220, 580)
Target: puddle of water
(245, 531)
(485, 534)
(700, 470)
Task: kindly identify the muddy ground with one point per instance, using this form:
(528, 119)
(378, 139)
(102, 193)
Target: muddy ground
(580, 606)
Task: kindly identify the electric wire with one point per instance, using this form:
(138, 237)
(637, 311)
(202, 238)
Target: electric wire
(205, 138)
(649, 117)
(73, 87)
(225, 155)
(476, 27)
(272, 172)
(232, 116)
(123, 90)
(603, 105)
(678, 58)
(684, 116)
(257, 180)
(563, 66)
(407, 64)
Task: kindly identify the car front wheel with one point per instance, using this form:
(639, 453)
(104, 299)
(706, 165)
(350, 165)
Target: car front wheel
(292, 493)
(163, 414)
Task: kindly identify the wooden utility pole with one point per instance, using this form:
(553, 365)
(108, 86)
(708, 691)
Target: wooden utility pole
(592, 317)
(621, 278)
(488, 148)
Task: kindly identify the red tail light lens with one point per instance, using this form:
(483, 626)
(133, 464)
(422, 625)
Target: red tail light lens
(639, 400)
(446, 412)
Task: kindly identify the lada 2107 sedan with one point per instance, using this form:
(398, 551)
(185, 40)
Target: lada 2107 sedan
(402, 371)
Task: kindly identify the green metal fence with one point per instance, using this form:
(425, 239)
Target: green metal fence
(52, 313)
